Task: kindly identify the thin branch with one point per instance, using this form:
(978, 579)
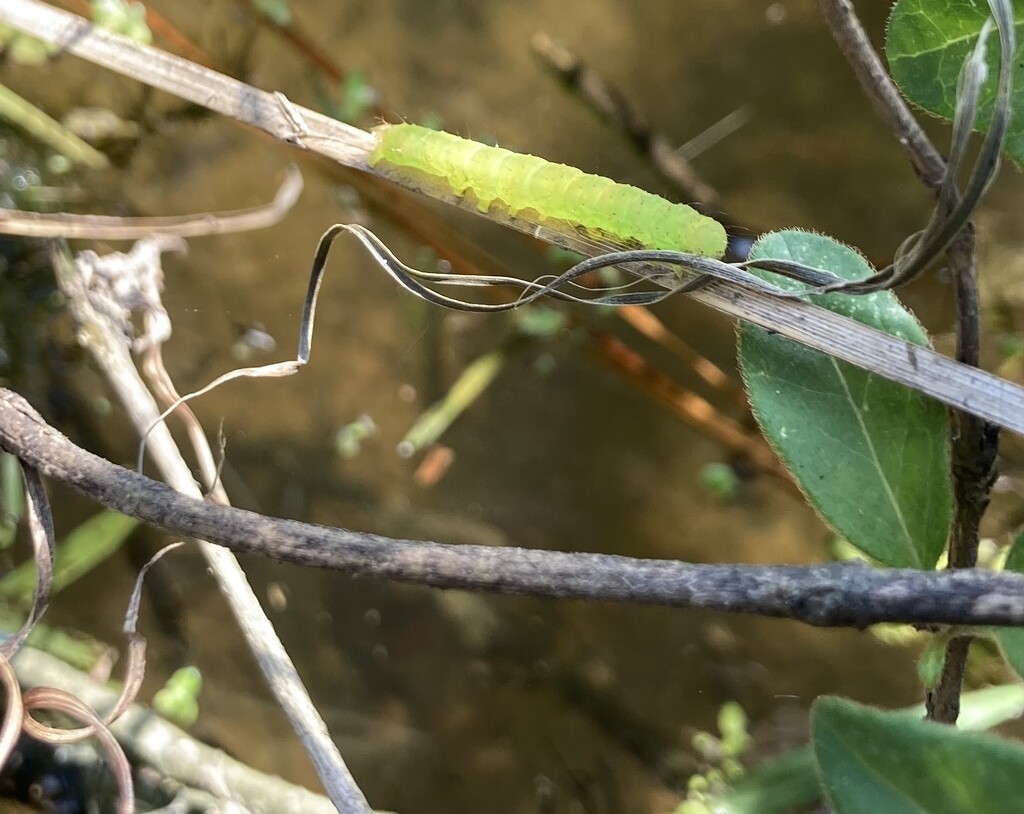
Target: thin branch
(942, 701)
(882, 91)
(834, 594)
(613, 106)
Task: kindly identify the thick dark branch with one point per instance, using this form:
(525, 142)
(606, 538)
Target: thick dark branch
(974, 441)
(831, 595)
(942, 702)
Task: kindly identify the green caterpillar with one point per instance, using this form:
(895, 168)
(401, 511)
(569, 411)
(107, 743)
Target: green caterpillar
(598, 205)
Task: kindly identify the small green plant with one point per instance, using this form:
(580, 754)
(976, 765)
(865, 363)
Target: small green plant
(123, 17)
(721, 754)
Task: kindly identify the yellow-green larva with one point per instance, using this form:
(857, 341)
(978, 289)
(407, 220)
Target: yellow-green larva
(554, 191)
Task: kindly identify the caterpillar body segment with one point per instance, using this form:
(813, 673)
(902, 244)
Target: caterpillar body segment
(554, 191)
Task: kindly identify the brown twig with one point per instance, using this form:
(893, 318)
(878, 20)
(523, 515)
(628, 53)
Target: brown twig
(974, 441)
(613, 106)
(645, 322)
(882, 92)
(833, 594)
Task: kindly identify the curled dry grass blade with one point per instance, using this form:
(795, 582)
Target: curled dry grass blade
(54, 700)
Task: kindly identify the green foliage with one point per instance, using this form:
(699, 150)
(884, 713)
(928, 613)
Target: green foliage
(278, 12)
(732, 726)
(122, 17)
(178, 700)
(348, 440)
(869, 454)
(720, 481)
(873, 761)
(722, 755)
(352, 102)
(12, 498)
(82, 550)
(357, 98)
(539, 321)
(931, 661)
(23, 49)
(1011, 639)
(1015, 556)
(790, 781)
(927, 43)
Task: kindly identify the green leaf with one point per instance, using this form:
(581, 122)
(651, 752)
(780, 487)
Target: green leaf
(926, 45)
(870, 455)
(790, 781)
(1015, 556)
(82, 550)
(873, 761)
(178, 700)
(278, 11)
(1011, 639)
(932, 660)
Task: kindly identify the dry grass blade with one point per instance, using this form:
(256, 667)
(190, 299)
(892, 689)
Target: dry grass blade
(40, 524)
(135, 664)
(50, 698)
(14, 711)
(175, 754)
(104, 227)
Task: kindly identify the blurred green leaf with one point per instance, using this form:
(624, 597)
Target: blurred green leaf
(790, 780)
(931, 661)
(178, 699)
(874, 761)
(23, 49)
(277, 11)
(870, 455)
(358, 97)
(540, 321)
(1011, 639)
(122, 17)
(81, 551)
(1015, 556)
(926, 44)
(12, 498)
(720, 480)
